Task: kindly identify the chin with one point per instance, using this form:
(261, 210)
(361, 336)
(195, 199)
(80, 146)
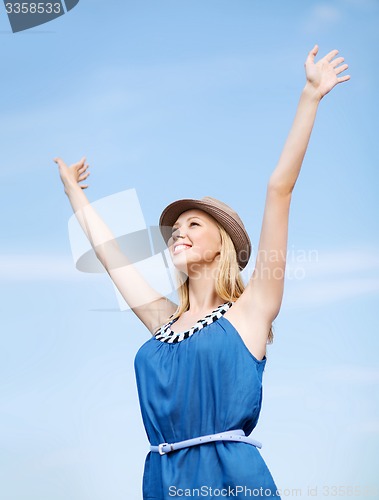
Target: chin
(180, 262)
(183, 262)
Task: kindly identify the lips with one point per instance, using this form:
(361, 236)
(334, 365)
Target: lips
(180, 248)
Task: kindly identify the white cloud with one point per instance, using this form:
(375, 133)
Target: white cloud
(116, 90)
(364, 427)
(327, 13)
(320, 17)
(139, 94)
(118, 102)
(321, 263)
(314, 293)
(337, 275)
(367, 4)
(37, 267)
(351, 374)
(320, 277)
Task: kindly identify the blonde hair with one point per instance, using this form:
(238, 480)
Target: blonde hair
(229, 285)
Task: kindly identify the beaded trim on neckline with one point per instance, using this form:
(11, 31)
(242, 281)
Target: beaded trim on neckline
(165, 334)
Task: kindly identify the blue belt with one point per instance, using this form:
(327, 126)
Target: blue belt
(234, 435)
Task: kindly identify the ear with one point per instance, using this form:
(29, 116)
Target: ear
(219, 249)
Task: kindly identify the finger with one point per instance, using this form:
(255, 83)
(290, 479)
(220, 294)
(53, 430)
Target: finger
(343, 78)
(331, 55)
(83, 168)
(85, 186)
(337, 61)
(341, 68)
(83, 177)
(79, 163)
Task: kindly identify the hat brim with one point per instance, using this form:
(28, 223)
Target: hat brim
(237, 233)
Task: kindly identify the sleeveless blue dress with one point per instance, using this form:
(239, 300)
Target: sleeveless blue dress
(205, 381)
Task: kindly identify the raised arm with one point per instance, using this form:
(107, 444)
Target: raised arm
(264, 292)
(150, 307)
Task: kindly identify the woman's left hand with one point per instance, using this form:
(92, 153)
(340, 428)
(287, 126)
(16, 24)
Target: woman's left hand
(323, 75)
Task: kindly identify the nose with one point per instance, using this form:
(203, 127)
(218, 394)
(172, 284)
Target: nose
(177, 233)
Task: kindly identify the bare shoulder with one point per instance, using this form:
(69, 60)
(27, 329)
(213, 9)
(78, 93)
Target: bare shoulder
(252, 325)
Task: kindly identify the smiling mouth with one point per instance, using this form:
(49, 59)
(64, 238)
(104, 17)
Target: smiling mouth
(181, 248)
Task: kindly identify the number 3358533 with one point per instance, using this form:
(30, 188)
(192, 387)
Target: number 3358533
(33, 8)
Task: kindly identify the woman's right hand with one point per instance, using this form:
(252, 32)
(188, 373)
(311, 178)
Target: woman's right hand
(75, 173)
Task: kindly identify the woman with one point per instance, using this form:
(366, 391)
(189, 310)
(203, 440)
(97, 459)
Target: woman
(200, 380)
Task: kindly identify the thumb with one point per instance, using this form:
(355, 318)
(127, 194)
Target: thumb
(312, 54)
(59, 162)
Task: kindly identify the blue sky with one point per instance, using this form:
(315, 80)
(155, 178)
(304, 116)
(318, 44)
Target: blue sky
(185, 99)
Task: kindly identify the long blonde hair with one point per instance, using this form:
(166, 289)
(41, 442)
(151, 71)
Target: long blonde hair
(229, 285)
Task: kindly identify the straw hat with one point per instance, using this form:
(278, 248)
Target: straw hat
(225, 215)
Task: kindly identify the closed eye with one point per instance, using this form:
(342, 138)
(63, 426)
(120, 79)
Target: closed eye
(174, 229)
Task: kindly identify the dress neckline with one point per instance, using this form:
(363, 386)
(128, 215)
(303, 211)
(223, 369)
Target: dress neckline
(165, 334)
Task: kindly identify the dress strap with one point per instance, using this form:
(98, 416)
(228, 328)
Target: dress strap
(165, 334)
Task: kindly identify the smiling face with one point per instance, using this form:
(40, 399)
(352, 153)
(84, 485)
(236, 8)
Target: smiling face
(195, 240)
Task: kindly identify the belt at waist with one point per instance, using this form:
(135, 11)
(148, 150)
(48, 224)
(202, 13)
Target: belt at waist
(233, 435)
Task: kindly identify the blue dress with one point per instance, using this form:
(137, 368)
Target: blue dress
(204, 382)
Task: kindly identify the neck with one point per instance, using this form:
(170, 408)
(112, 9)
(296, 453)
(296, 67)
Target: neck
(202, 290)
